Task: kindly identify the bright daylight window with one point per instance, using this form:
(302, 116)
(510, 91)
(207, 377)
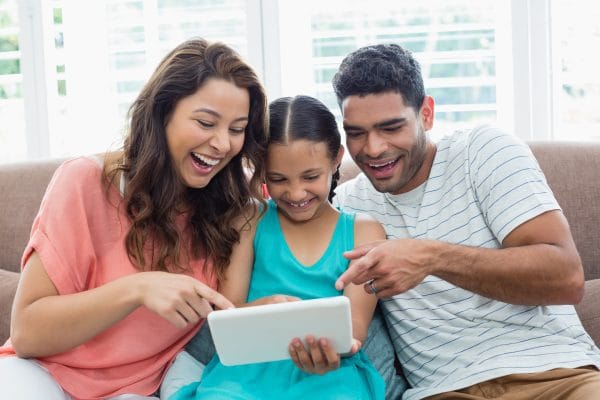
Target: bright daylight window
(69, 69)
(576, 40)
(12, 107)
(455, 41)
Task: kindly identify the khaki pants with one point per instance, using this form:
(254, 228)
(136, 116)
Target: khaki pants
(557, 384)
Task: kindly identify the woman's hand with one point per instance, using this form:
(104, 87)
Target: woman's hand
(180, 299)
(320, 357)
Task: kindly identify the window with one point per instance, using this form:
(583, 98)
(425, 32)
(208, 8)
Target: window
(70, 69)
(455, 42)
(12, 107)
(575, 40)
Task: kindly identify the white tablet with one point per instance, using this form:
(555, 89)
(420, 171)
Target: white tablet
(263, 333)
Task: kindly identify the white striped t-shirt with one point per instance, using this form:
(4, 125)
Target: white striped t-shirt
(483, 184)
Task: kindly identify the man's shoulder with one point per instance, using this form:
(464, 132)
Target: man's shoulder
(479, 135)
(355, 191)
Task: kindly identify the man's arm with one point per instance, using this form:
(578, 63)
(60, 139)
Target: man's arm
(537, 264)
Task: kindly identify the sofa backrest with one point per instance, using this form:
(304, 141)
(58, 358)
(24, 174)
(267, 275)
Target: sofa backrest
(573, 173)
(572, 170)
(22, 186)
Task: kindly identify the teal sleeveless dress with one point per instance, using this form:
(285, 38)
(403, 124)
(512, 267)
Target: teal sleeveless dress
(276, 271)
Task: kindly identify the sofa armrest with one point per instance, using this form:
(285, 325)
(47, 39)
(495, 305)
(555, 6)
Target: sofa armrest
(589, 309)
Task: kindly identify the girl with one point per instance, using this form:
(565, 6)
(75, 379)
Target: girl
(126, 250)
(296, 249)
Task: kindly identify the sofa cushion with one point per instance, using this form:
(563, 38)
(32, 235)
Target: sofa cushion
(589, 309)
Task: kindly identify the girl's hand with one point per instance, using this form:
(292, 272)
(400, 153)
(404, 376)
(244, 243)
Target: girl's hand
(273, 299)
(320, 357)
(178, 298)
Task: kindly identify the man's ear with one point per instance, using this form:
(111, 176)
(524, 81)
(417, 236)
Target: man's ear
(426, 113)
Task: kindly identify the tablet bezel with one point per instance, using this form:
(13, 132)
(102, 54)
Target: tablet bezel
(262, 333)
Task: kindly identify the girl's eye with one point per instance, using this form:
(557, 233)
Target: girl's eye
(275, 180)
(312, 177)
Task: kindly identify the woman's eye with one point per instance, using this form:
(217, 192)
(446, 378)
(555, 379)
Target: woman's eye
(205, 124)
(237, 131)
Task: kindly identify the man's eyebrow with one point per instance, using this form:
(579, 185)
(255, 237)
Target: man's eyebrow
(382, 124)
(387, 123)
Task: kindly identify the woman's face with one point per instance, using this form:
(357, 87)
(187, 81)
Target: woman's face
(206, 130)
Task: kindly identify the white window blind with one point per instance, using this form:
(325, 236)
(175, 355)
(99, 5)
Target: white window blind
(69, 69)
(455, 41)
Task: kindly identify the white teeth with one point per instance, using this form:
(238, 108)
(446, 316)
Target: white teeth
(381, 165)
(299, 204)
(210, 161)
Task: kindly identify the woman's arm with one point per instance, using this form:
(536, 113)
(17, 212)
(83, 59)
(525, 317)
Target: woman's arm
(45, 323)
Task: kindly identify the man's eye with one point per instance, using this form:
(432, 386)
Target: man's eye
(392, 128)
(353, 134)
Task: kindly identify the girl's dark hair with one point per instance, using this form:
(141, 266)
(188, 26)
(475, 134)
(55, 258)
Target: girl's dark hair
(378, 69)
(304, 117)
(154, 193)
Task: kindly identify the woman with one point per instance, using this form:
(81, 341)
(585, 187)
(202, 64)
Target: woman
(126, 250)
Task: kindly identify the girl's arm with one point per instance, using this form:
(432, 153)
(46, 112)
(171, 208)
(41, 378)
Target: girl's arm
(366, 229)
(236, 282)
(321, 357)
(44, 323)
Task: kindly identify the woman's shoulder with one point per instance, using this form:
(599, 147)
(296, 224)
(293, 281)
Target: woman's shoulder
(83, 170)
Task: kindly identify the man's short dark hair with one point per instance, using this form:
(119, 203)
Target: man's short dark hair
(378, 69)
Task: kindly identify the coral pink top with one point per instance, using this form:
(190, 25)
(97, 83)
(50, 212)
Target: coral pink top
(79, 236)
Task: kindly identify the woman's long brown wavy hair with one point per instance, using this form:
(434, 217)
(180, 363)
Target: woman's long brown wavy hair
(154, 194)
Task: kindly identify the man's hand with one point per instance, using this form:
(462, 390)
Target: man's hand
(388, 267)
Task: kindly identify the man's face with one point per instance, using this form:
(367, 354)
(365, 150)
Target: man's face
(387, 139)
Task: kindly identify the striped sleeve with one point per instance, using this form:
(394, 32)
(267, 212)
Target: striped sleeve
(507, 180)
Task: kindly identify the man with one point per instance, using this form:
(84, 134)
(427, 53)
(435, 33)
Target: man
(479, 257)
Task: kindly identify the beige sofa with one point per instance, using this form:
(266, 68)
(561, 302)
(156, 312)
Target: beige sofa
(572, 170)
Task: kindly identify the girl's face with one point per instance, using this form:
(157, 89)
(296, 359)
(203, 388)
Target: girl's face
(206, 130)
(299, 178)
